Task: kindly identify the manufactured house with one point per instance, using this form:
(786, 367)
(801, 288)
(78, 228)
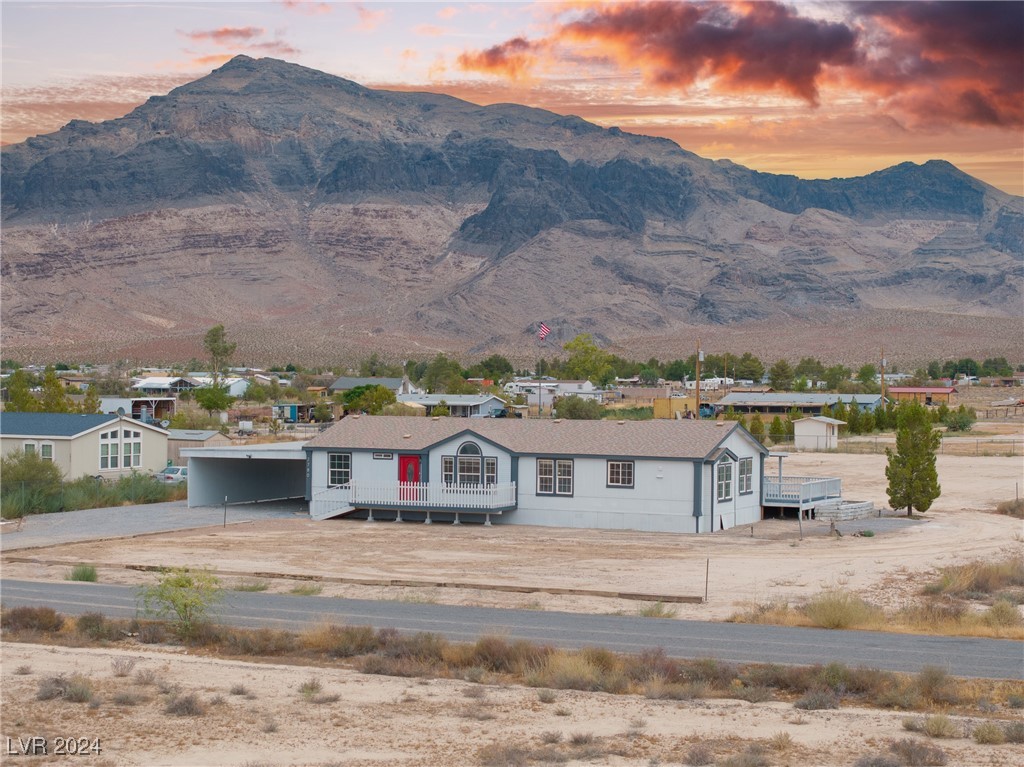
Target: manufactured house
(107, 446)
(671, 476)
(927, 395)
(459, 405)
(164, 385)
(780, 403)
(398, 385)
(148, 409)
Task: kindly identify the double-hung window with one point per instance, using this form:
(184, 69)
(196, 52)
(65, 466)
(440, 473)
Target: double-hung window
(110, 450)
(469, 467)
(746, 476)
(554, 476)
(339, 467)
(620, 474)
(490, 470)
(725, 481)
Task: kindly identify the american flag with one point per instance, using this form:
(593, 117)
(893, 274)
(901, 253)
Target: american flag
(543, 332)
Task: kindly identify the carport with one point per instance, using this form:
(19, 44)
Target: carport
(245, 473)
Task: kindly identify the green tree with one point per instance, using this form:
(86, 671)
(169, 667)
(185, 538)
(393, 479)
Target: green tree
(781, 376)
(866, 374)
(777, 430)
(370, 399)
(677, 370)
(934, 370)
(750, 368)
(20, 399)
(648, 376)
(440, 409)
(219, 348)
(961, 419)
(211, 398)
(184, 595)
(322, 412)
(29, 484)
(91, 401)
(835, 375)
(579, 409)
(757, 427)
(853, 424)
(494, 367)
(913, 478)
(55, 398)
(442, 374)
(373, 367)
(810, 368)
(256, 393)
(587, 361)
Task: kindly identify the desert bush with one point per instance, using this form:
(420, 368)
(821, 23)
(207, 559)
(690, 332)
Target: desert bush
(1015, 701)
(781, 741)
(550, 737)
(939, 726)
(126, 698)
(44, 619)
(754, 756)
(651, 664)
(658, 689)
(145, 677)
(251, 584)
(152, 633)
(476, 692)
(836, 609)
(1002, 613)
(573, 671)
(878, 760)
(657, 610)
(699, 755)
(23, 670)
(1014, 508)
(754, 694)
(934, 684)
(918, 753)
(989, 733)
(307, 589)
(269, 725)
(122, 666)
(85, 573)
(900, 697)
(187, 596)
(185, 705)
(547, 696)
(383, 665)
(497, 654)
(422, 646)
(816, 700)
(238, 689)
(581, 738)
(77, 688)
(1014, 732)
(94, 626)
(262, 641)
(503, 755)
(340, 641)
(310, 687)
(479, 713)
(709, 671)
(978, 578)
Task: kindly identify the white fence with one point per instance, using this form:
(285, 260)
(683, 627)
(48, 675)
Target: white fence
(411, 496)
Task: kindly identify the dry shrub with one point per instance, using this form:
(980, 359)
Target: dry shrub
(978, 578)
(573, 671)
(340, 641)
(550, 737)
(918, 753)
(935, 685)
(817, 700)
(262, 641)
(496, 654)
(383, 665)
(989, 733)
(837, 609)
(1014, 732)
(658, 689)
(699, 755)
(770, 613)
(781, 742)
(651, 664)
(122, 666)
(754, 694)
(44, 619)
(95, 626)
(939, 726)
(710, 671)
(754, 756)
(23, 670)
(185, 705)
(878, 760)
(76, 689)
(504, 755)
(422, 646)
(126, 699)
(1002, 613)
(1014, 508)
(145, 677)
(547, 696)
(152, 632)
(238, 689)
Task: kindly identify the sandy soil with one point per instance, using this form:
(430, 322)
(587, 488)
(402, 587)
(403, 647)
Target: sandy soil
(758, 564)
(387, 721)
(391, 721)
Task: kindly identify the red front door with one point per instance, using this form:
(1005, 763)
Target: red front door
(408, 473)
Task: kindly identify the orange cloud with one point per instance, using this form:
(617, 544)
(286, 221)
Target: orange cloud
(214, 59)
(448, 12)
(307, 7)
(430, 30)
(370, 20)
(512, 59)
(225, 35)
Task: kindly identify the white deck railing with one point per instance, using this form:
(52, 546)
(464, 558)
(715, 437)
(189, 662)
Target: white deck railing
(801, 491)
(412, 496)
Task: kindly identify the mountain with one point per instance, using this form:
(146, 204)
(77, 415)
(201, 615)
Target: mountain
(309, 213)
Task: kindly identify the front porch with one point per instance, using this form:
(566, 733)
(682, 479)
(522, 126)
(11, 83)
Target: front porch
(413, 497)
(802, 493)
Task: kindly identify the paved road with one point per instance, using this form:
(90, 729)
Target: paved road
(986, 658)
(123, 521)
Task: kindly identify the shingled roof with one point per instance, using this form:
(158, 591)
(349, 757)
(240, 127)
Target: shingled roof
(644, 439)
(50, 424)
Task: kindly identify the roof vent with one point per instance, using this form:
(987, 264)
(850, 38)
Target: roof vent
(406, 436)
(621, 422)
(355, 416)
(436, 418)
(557, 420)
(720, 423)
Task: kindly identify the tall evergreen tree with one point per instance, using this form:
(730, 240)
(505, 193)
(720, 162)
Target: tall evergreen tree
(19, 394)
(55, 398)
(913, 478)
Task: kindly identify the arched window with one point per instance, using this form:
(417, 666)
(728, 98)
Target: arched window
(469, 464)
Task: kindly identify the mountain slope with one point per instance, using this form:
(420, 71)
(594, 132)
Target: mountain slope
(273, 196)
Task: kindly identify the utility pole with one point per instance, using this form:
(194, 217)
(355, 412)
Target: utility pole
(700, 359)
(883, 377)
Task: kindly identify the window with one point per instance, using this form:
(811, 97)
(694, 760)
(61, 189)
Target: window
(339, 467)
(620, 474)
(725, 481)
(746, 477)
(30, 448)
(46, 451)
(490, 471)
(448, 469)
(554, 476)
(469, 464)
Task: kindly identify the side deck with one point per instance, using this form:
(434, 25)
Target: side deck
(802, 493)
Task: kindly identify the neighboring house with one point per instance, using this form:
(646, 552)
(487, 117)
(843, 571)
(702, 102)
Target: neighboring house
(928, 395)
(97, 445)
(782, 402)
(163, 385)
(817, 432)
(459, 405)
(179, 439)
(398, 385)
(671, 476)
(544, 392)
(236, 387)
(148, 409)
(709, 384)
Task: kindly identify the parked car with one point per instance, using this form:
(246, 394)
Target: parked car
(172, 475)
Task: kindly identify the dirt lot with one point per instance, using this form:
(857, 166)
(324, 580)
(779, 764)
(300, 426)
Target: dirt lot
(385, 721)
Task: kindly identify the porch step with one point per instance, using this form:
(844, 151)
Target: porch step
(321, 511)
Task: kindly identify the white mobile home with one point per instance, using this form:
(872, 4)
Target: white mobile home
(671, 476)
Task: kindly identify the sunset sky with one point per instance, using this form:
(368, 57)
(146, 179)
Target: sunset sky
(817, 89)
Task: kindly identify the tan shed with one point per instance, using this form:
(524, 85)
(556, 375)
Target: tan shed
(816, 433)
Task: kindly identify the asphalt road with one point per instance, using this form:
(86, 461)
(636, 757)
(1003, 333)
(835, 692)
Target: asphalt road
(964, 657)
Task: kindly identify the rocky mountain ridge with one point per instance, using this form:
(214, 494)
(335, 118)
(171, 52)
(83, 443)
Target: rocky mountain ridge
(268, 195)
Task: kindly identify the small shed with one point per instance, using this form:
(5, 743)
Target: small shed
(178, 439)
(816, 433)
(928, 395)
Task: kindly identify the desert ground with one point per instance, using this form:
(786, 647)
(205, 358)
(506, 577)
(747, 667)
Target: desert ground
(380, 720)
